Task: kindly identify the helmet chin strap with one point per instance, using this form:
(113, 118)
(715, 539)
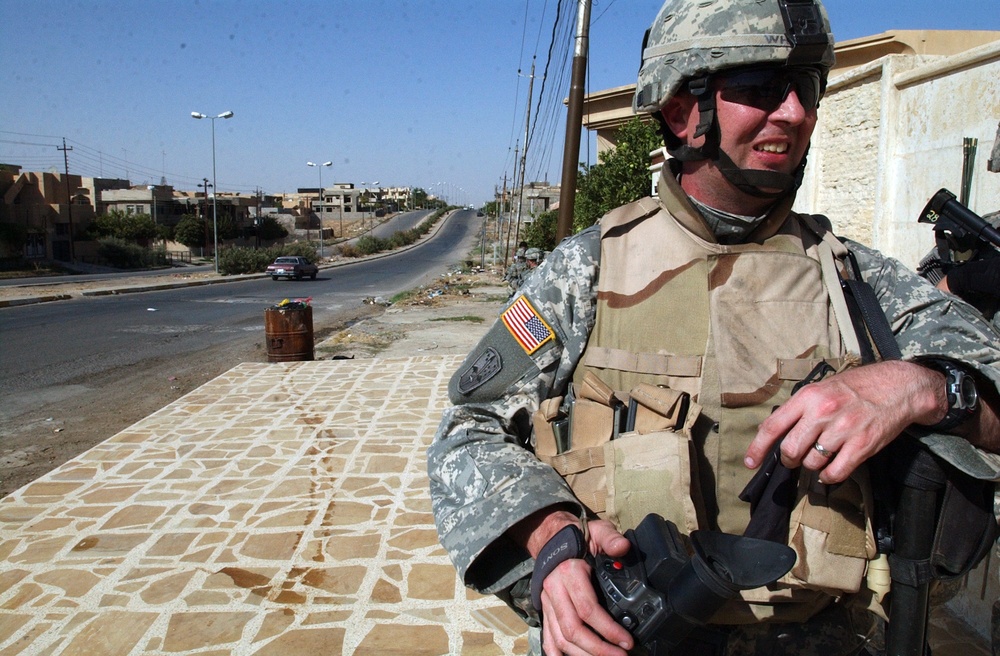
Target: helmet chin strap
(749, 181)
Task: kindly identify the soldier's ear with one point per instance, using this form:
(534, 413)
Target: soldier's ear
(680, 115)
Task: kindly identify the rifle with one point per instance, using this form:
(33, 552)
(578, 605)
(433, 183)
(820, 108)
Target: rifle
(950, 218)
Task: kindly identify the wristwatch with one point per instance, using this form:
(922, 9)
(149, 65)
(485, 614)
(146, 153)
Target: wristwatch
(960, 387)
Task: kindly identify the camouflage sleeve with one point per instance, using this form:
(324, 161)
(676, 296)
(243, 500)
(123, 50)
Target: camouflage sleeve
(929, 322)
(484, 476)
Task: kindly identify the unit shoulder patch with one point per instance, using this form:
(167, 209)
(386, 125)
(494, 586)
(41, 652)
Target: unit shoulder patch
(486, 366)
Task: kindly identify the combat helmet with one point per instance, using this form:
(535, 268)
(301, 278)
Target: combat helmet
(691, 40)
(533, 254)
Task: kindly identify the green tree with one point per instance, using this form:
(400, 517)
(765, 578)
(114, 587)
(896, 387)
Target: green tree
(419, 197)
(541, 233)
(190, 231)
(164, 232)
(621, 175)
(269, 229)
(228, 227)
(492, 208)
(123, 225)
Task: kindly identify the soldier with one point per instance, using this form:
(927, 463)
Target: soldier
(532, 257)
(715, 292)
(519, 270)
(975, 278)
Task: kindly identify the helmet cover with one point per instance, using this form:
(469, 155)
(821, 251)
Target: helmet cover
(694, 38)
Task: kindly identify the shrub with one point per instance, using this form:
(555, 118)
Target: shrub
(242, 259)
(369, 245)
(122, 254)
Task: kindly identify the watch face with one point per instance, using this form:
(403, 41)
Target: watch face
(968, 395)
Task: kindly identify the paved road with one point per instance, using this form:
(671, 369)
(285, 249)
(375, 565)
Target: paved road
(48, 348)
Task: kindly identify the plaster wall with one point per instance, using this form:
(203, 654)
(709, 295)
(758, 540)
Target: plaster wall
(891, 134)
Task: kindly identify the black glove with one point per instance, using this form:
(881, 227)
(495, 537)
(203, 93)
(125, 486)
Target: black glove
(980, 277)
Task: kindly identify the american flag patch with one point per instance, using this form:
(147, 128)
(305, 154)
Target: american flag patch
(529, 329)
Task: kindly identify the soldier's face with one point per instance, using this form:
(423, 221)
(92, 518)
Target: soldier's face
(757, 132)
(765, 132)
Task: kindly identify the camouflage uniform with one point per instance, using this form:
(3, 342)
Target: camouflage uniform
(484, 476)
(515, 274)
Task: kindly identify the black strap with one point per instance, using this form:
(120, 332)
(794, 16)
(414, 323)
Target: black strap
(567, 543)
(870, 322)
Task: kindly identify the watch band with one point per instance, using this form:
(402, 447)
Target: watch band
(960, 389)
(567, 543)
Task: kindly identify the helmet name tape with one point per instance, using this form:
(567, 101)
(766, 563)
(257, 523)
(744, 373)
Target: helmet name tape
(708, 42)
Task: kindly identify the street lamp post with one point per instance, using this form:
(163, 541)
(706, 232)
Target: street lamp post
(368, 200)
(215, 188)
(319, 167)
(152, 201)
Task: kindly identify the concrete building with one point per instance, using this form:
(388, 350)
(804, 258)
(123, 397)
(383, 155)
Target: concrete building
(49, 209)
(535, 199)
(36, 204)
(900, 109)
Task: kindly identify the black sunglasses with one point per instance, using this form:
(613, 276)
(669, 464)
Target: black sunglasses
(767, 88)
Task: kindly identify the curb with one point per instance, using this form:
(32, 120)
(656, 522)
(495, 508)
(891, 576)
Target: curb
(35, 299)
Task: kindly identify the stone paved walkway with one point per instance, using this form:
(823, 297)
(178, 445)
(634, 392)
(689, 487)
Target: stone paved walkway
(278, 509)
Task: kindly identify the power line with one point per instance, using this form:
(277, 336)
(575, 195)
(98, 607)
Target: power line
(91, 162)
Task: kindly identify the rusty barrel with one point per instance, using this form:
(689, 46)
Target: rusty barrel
(289, 333)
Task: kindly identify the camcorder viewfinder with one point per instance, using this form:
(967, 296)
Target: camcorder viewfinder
(661, 594)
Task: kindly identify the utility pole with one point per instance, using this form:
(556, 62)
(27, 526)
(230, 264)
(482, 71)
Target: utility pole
(524, 156)
(205, 184)
(510, 218)
(259, 220)
(69, 197)
(574, 122)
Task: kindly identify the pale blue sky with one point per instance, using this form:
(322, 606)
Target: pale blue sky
(415, 92)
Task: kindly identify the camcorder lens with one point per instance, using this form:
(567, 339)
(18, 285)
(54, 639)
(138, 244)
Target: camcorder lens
(767, 88)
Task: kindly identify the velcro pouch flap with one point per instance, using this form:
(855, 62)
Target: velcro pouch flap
(659, 408)
(541, 422)
(595, 389)
(830, 534)
(650, 473)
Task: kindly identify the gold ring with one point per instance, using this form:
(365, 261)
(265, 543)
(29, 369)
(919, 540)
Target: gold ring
(823, 451)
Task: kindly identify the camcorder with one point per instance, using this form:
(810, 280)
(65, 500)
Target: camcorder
(661, 594)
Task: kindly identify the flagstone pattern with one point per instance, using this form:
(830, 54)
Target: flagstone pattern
(281, 508)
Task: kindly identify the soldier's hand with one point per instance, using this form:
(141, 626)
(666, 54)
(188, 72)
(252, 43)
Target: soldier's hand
(836, 424)
(574, 622)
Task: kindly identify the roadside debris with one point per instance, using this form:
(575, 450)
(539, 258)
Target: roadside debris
(295, 304)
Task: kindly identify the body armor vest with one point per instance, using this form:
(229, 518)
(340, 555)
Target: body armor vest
(733, 328)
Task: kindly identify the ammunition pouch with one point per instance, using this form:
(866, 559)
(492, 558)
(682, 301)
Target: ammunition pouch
(623, 457)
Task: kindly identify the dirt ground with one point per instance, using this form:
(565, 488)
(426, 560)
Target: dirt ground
(445, 318)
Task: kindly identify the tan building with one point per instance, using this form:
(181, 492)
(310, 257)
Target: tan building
(35, 203)
(51, 209)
